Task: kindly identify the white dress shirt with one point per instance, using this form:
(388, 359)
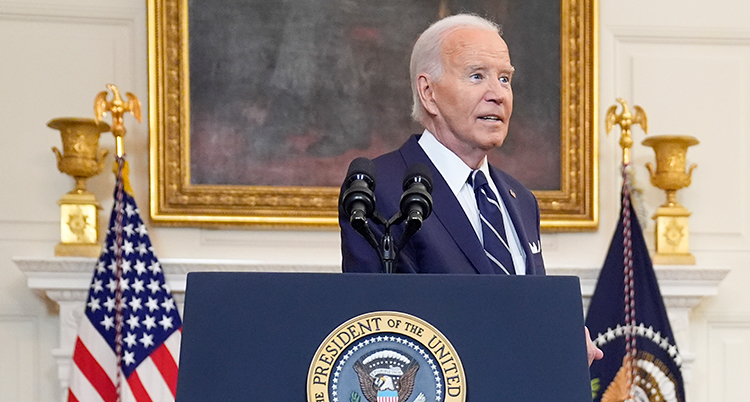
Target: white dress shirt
(456, 172)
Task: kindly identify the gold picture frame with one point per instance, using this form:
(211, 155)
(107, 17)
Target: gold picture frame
(175, 200)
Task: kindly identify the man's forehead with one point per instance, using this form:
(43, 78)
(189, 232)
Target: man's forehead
(472, 39)
(471, 46)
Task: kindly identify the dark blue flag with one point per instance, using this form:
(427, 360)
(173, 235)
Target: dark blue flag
(628, 321)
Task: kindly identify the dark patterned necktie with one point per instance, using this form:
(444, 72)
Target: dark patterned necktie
(493, 231)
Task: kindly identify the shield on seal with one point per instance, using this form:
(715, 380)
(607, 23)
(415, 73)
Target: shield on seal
(387, 396)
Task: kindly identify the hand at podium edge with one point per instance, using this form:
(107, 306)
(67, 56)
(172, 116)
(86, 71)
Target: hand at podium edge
(594, 352)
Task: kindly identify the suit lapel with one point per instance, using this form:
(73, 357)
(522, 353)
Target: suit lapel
(511, 203)
(448, 211)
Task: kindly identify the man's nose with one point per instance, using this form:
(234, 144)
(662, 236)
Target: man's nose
(496, 92)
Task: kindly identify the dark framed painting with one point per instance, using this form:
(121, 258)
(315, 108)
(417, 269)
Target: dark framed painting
(257, 107)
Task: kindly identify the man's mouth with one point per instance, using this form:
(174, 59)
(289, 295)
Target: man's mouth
(490, 118)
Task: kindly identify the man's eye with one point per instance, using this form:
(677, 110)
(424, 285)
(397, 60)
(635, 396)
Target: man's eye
(505, 80)
(476, 76)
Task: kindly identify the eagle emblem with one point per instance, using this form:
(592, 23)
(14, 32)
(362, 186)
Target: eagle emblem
(117, 107)
(625, 120)
(386, 375)
(386, 356)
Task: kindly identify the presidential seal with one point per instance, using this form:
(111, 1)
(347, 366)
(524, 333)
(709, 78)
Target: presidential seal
(386, 356)
(652, 378)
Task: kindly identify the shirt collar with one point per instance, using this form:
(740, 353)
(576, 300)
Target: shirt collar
(451, 167)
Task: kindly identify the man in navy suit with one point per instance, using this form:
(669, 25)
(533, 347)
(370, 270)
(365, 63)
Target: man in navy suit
(461, 83)
(461, 86)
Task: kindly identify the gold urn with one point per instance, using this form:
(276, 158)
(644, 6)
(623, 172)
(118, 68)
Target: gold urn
(670, 174)
(82, 159)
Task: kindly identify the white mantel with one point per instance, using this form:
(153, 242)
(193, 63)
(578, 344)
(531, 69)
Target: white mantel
(66, 282)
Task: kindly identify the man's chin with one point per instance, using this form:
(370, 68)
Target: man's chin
(493, 143)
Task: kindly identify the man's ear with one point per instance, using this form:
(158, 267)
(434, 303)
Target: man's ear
(426, 93)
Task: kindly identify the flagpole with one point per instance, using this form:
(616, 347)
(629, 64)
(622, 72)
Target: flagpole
(625, 120)
(629, 288)
(117, 107)
(118, 274)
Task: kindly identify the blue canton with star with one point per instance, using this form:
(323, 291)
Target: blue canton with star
(149, 312)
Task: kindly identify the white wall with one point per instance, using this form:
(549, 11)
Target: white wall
(686, 62)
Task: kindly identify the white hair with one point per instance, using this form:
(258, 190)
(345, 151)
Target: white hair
(425, 56)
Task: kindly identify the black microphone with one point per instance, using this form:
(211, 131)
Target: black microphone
(416, 202)
(358, 200)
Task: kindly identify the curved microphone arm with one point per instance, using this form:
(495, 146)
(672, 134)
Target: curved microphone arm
(358, 202)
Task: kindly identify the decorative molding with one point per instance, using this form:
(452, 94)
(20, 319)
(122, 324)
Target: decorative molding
(67, 295)
(732, 319)
(67, 274)
(89, 14)
(683, 286)
(674, 302)
(683, 283)
(679, 36)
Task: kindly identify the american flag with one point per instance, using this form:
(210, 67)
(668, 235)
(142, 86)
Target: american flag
(131, 319)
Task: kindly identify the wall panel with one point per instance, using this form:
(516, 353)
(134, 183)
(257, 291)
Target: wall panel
(54, 65)
(694, 83)
(19, 363)
(728, 357)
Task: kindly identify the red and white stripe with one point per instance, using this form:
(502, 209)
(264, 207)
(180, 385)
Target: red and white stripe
(94, 375)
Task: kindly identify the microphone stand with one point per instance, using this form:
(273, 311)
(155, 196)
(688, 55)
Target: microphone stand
(387, 248)
(415, 206)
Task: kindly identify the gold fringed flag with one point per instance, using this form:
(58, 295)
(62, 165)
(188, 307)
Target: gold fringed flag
(628, 321)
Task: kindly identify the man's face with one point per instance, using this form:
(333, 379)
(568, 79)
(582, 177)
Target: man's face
(472, 101)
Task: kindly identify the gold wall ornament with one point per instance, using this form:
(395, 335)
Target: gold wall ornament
(672, 230)
(117, 107)
(82, 159)
(625, 120)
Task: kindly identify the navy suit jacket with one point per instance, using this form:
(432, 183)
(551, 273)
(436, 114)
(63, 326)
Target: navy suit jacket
(446, 243)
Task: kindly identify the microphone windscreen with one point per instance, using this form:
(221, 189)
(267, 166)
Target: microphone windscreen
(418, 172)
(361, 166)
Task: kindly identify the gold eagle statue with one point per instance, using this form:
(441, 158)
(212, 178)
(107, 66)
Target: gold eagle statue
(625, 120)
(117, 107)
